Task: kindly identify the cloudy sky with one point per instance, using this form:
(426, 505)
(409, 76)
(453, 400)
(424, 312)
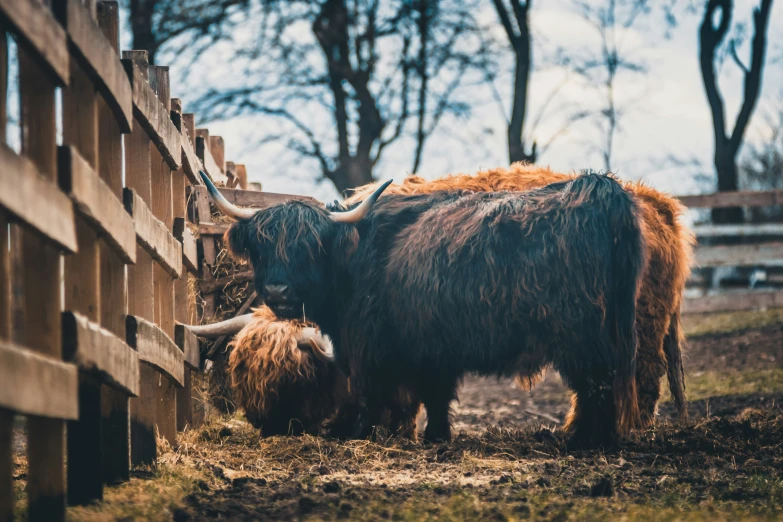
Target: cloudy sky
(665, 114)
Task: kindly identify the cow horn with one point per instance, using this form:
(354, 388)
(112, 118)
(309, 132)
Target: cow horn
(227, 327)
(352, 216)
(320, 343)
(222, 203)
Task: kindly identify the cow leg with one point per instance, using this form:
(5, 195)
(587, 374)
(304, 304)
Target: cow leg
(372, 401)
(650, 364)
(437, 394)
(404, 411)
(592, 419)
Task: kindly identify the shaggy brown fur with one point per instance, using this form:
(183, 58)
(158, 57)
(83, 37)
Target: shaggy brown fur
(287, 388)
(282, 386)
(670, 251)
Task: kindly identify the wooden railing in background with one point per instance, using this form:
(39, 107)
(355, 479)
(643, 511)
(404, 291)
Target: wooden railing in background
(762, 247)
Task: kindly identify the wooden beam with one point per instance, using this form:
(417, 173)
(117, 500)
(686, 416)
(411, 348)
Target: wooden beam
(153, 116)
(212, 229)
(190, 161)
(205, 155)
(35, 200)
(761, 254)
(218, 149)
(188, 343)
(39, 32)
(98, 351)
(734, 301)
(743, 230)
(156, 348)
(24, 373)
(100, 62)
(734, 199)
(97, 203)
(153, 235)
(207, 287)
(189, 248)
(252, 198)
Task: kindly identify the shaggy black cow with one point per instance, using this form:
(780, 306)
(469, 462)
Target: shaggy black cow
(417, 290)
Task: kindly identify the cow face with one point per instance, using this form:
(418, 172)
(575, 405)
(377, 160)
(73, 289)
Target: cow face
(294, 249)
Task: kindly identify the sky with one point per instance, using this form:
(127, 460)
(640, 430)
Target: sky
(665, 115)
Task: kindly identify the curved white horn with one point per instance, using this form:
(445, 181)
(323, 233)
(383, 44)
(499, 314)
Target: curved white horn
(352, 216)
(227, 327)
(222, 203)
(320, 343)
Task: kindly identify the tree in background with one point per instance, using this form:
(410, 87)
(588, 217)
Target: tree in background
(383, 71)
(515, 17)
(155, 23)
(727, 145)
(602, 67)
(761, 166)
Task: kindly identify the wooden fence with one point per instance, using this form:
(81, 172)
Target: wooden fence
(96, 253)
(761, 246)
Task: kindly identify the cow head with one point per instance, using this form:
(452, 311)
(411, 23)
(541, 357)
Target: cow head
(294, 248)
(282, 373)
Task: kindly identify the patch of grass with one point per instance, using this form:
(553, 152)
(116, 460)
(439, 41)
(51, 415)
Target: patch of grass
(701, 324)
(144, 498)
(704, 385)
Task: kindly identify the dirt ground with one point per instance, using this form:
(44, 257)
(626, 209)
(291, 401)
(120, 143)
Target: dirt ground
(508, 461)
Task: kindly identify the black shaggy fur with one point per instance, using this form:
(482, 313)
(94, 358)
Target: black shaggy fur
(426, 288)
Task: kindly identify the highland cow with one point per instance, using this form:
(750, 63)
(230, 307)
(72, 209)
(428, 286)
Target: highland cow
(283, 376)
(670, 250)
(418, 290)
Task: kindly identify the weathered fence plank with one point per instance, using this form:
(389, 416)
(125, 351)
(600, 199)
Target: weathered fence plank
(153, 234)
(97, 203)
(37, 29)
(41, 283)
(101, 62)
(156, 348)
(35, 200)
(99, 351)
(762, 254)
(734, 199)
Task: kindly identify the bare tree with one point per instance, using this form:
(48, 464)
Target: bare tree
(383, 71)
(602, 68)
(155, 23)
(761, 165)
(515, 18)
(727, 145)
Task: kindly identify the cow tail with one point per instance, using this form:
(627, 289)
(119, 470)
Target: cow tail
(628, 263)
(672, 348)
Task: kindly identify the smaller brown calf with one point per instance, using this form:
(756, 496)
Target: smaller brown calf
(283, 377)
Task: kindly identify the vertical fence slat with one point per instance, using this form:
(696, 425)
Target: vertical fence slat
(6, 417)
(114, 403)
(164, 284)
(181, 292)
(82, 295)
(46, 476)
(141, 287)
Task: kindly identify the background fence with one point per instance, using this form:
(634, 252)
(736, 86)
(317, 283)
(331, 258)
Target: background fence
(98, 258)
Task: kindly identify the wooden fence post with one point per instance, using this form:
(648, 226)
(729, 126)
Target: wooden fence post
(6, 416)
(141, 300)
(46, 459)
(114, 403)
(82, 294)
(162, 208)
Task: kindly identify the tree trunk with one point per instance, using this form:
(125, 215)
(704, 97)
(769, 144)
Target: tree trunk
(726, 167)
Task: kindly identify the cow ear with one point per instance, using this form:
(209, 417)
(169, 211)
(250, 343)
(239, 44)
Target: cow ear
(345, 243)
(240, 238)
